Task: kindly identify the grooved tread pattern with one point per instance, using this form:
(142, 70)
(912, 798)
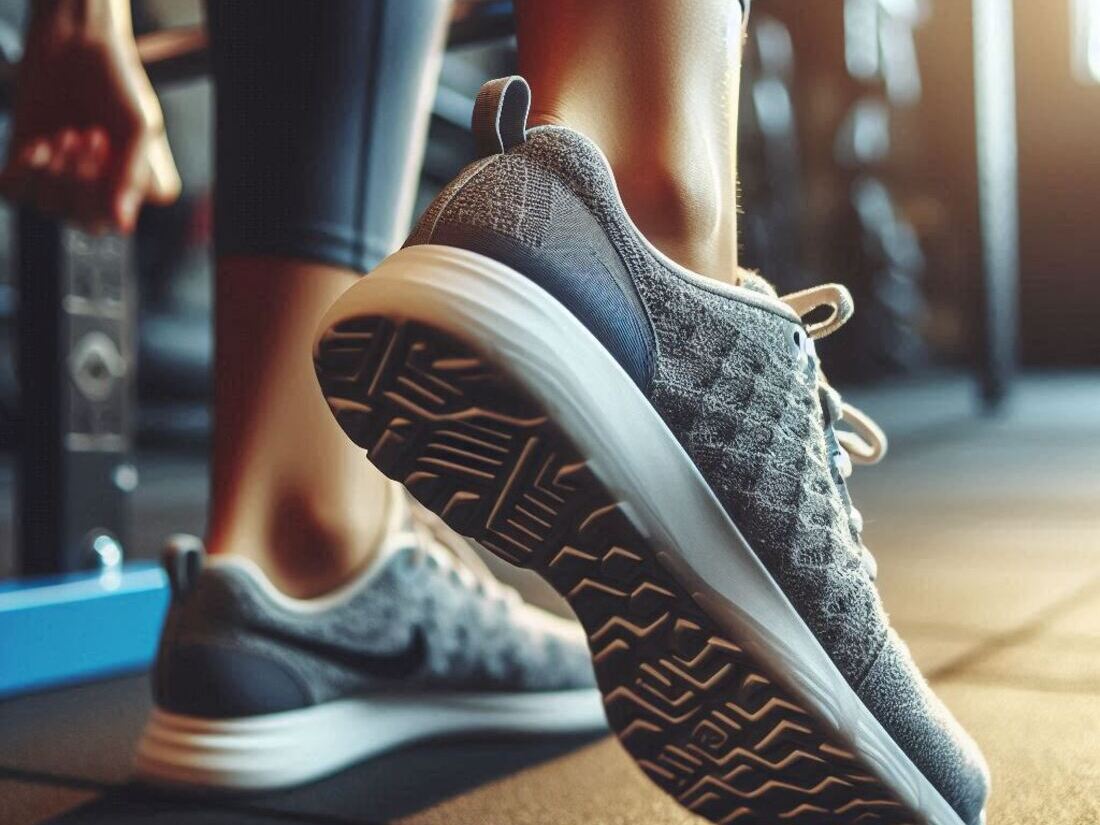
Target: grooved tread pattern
(699, 715)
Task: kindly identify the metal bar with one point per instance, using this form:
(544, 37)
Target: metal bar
(480, 21)
(175, 55)
(998, 196)
(76, 322)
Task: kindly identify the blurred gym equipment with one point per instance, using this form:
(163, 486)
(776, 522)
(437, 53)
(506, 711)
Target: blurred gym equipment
(998, 188)
(770, 161)
(830, 129)
(74, 438)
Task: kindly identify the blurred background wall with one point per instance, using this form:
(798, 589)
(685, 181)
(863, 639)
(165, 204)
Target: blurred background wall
(1060, 180)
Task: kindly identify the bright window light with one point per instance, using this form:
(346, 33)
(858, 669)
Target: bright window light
(1086, 40)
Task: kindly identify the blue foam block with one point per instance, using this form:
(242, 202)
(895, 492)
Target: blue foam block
(61, 630)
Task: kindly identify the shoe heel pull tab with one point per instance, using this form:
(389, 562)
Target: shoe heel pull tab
(182, 560)
(500, 115)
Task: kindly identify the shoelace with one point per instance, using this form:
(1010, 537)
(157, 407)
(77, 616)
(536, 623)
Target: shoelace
(864, 443)
(443, 548)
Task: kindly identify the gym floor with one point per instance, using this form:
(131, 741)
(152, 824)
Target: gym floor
(987, 533)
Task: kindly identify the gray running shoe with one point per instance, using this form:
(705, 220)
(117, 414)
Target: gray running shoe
(257, 690)
(664, 450)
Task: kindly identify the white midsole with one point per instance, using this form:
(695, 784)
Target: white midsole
(633, 453)
(280, 749)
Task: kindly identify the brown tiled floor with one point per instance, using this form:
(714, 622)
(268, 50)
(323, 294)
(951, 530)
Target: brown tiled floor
(987, 534)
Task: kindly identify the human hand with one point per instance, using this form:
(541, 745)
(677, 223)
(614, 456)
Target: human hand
(89, 142)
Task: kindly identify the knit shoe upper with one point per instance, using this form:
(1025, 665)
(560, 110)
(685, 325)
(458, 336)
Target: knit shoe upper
(424, 616)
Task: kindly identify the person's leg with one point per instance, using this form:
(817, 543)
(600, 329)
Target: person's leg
(321, 117)
(308, 510)
(656, 88)
(317, 121)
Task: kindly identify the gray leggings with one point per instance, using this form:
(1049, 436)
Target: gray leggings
(316, 118)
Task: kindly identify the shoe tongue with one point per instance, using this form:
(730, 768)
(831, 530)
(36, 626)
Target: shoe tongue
(751, 280)
(457, 546)
(423, 521)
(407, 519)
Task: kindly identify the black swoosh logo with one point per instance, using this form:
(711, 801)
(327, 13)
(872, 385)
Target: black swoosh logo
(397, 665)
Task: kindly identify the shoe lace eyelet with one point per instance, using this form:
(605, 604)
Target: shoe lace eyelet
(799, 349)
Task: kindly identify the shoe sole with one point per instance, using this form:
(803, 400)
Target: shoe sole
(501, 413)
(284, 749)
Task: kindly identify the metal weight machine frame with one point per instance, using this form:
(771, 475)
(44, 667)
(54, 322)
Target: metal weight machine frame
(998, 196)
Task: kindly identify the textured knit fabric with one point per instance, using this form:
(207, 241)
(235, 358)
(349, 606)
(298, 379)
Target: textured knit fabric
(728, 380)
(922, 725)
(561, 248)
(474, 638)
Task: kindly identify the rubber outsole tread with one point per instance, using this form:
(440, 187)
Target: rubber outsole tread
(698, 714)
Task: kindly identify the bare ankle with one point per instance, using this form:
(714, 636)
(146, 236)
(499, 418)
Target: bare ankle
(682, 213)
(314, 547)
(289, 490)
(675, 187)
(306, 546)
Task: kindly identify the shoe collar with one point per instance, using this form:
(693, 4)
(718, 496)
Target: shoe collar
(398, 535)
(749, 295)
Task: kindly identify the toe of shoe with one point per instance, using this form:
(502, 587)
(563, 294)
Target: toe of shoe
(921, 724)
